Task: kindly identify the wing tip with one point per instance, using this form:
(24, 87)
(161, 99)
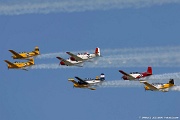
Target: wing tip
(6, 61)
(70, 79)
(142, 81)
(59, 58)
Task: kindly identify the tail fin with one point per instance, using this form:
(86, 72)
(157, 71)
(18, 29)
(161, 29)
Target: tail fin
(97, 51)
(102, 76)
(36, 50)
(171, 81)
(149, 70)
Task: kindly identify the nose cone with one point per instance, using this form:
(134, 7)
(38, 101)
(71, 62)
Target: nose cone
(124, 77)
(14, 57)
(62, 63)
(146, 88)
(72, 58)
(76, 86)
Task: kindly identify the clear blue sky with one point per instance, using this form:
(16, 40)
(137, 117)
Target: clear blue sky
(45, 94)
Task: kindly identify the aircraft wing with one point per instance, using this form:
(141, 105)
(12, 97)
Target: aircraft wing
(10, 63)
(65, 61)
(74, 56)
(149, 85)
(81, 80)
(124, 73)
(15, 53)
(92, 88)
(72, 80)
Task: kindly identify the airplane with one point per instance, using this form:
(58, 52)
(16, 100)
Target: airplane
(84, 56)
(88, 83)
(158, 86)
(25, 55)
(136, 75)
(69, 62)
(20, 65)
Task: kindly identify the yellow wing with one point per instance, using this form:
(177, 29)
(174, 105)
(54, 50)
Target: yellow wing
(149, 85)
(16, 54)
(72, 80)
(10, 63)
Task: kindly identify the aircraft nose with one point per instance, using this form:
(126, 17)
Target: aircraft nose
(72, 58)
(124, 77)
(62, 63)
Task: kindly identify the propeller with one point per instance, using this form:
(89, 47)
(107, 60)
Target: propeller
(7, 67)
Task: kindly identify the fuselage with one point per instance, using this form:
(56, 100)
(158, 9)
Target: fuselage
(84, 56)
(136, 75)
(90, 83)
(25, 55)
(71, 61)
(20, 64)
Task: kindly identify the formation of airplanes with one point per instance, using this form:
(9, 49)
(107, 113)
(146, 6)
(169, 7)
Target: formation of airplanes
(74, 60)
(136, 76)
(22, 55)
(78, 60)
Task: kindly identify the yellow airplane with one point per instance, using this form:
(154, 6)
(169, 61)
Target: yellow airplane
(158, 86)
(20, 65)
(88, 83)
(25, 55)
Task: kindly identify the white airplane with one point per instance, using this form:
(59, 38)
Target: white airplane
(163, 87)
(84, 56)
(88, 82)
(69, 62)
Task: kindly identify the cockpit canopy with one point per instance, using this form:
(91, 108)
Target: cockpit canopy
(134, 73)
(86, 53)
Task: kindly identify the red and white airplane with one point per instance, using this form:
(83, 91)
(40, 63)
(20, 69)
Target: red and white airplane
(77, 60)
(84, 56)
(69, 62)
(136, 75)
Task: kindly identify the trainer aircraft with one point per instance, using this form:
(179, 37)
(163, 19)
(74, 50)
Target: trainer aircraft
(88, 82)
(158, 86)
(136, 75)
(20, 65)
(25, 55)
